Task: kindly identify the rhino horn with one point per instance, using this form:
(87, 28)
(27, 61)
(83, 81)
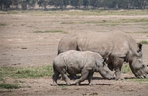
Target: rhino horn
(105, 60)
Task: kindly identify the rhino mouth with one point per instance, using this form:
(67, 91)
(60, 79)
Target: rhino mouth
(139, 75)
(109, 76)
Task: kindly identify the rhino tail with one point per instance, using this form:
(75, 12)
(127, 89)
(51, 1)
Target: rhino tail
(78, 48)
(54, 67)
(60, 51)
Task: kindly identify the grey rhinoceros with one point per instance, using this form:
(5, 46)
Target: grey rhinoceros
(118, 46)
(74, 62)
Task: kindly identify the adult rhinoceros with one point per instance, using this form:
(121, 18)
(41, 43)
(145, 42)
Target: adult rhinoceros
(117, 46)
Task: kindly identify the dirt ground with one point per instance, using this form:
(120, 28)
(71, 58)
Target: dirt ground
(21, 46)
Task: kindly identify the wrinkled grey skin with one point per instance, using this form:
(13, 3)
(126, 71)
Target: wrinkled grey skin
(118, 46)
(74, 62)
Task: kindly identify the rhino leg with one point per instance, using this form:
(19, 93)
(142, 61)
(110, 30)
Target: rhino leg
(110, 66)
(74, 77)
(118, 62)
(84, 75)
(55, 77)
(65, 77)
(90, 75)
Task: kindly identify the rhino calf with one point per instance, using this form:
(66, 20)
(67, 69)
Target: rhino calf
(84, 62)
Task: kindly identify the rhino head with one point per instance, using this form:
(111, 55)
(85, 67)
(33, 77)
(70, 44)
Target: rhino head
(104, 71)
(139, 68)
(137, 65)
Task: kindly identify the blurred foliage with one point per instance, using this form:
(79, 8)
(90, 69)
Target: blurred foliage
(77, 4)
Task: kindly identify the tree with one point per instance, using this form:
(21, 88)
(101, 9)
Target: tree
(16, 3)
(5, 4)
(143, 4)
(76, 3)
(66, 2)
(2, 4)
(32, 3)
(109, 3)
(86, 3)
(43, 3)
(96, 3)
(24, 4)
(58, 3)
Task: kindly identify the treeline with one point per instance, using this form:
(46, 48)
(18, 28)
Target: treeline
(76, 4)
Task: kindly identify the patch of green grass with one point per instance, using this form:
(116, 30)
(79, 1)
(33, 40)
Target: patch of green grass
(67, 22)
(145, 32)
(9, 86)
(2, 78)
(126, 69)
(113, 22)
(63, 87)
(103, 12)
(3, 24)
(125, 21)
(121, 12)
(25, 72)
(83, 12)
(78, 12)
(51, 31)
(22, 72)
(13, 12)
(2, 12)
(143, 20)
(138, 80)
(144, 42)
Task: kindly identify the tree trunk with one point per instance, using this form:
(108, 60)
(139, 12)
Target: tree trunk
(24, 6)
(117, 4)
(2, 5)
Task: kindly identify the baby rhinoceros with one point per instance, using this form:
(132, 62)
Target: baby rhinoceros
(84, 62)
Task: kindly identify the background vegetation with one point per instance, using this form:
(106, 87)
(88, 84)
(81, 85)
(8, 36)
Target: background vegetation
(76, 4)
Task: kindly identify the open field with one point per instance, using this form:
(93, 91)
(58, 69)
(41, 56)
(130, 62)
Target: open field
(29, 40)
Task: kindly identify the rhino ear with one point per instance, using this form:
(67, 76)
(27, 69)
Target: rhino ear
(139, 47)
(105, 60)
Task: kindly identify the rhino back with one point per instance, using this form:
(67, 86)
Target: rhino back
(105, 43)
(68, 42)
(76, 60)
(108, 43)
(79, 58)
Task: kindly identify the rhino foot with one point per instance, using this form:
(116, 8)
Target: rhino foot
(54, 84)
(76, 83)
(121, 78)
(68, 83)
(142, 77)
(91, 84)
(73, 77)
